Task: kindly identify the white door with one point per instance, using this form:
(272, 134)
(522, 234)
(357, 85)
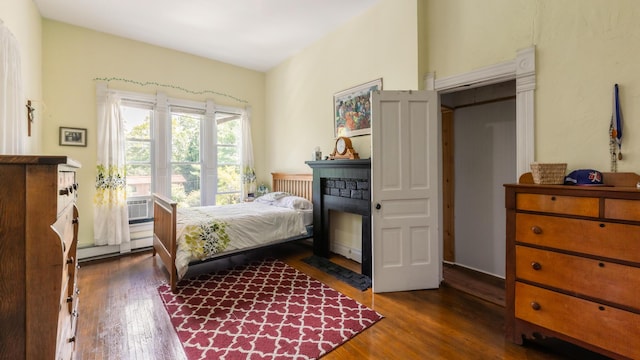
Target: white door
(404, 187)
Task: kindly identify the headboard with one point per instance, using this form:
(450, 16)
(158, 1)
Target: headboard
(295, 184)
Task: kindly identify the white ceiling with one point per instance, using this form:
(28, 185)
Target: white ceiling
(255, 34)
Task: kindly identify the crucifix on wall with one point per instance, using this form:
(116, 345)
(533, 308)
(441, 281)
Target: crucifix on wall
(30, 111)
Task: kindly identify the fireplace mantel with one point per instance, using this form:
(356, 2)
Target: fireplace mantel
(341, 185)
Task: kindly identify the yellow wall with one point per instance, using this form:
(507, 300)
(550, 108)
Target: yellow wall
(423, 43)
(74, 56)
(23, 20)
(583, 47)
(381, 43)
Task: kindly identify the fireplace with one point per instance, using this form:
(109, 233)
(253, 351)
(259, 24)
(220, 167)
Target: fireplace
(341, 185)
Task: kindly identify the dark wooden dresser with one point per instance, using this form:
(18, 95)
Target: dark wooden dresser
(573, 264)
(38, 265)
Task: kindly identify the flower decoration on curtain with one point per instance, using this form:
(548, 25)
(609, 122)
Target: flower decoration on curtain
(248, 170)
(12, 114)
(111, 216)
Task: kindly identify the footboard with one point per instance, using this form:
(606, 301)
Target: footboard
(164, 235)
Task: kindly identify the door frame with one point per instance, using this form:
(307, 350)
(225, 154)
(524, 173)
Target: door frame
(523, 70)
(447, 190)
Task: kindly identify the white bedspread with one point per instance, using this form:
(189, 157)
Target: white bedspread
(207, 231)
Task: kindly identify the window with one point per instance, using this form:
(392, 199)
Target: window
(186, 160)
(138, 118)
(190, 151)
(229, 167)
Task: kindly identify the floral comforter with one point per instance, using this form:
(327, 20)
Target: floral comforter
(203, 232)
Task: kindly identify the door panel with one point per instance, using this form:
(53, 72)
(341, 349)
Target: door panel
(405, 186)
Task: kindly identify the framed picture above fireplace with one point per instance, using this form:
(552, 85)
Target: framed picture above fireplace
(352, 109)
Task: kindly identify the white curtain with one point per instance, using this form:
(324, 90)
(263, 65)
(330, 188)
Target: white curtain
(111, 216)
(13, 111)
(248, 170)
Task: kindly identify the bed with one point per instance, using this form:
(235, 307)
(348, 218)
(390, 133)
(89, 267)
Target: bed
(173, 234)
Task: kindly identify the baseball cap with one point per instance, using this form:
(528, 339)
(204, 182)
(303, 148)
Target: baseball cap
(584, 177)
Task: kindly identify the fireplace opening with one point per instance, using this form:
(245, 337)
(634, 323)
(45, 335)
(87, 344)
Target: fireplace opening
(345, 235)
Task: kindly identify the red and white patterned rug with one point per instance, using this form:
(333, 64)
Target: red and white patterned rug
(262, 310)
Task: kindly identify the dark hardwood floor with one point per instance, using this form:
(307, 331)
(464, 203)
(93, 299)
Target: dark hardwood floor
(122, 317)
(486, 287)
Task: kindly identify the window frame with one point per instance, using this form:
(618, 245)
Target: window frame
(161, 142)
(232, 116)
(142, 101)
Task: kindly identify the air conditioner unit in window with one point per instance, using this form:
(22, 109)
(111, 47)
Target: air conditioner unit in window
(139, 209)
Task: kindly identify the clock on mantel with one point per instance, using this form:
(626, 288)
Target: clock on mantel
(343, 149)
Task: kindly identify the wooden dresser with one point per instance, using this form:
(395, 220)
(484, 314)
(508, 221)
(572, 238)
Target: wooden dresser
(573, 264)
(38, 265)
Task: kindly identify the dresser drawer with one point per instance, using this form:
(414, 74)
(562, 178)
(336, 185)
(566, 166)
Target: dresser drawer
(67, 321)
(65, 229)
(72, 289)
(611, 282)
(603, 326)
(69, 293)
(67, 187)
(569, 205)
(67, 327)
(622, 209)
(610, 240)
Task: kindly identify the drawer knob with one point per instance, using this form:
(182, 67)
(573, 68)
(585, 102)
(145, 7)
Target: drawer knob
(553, 198)
(69, 299)
(72, 339)
(75, 221)
(64, 191)
(536, 230)
(535, 306)
(70, 260)
(536, 265)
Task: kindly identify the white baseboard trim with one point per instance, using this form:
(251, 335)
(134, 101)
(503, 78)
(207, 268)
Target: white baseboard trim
(101, 252)
(349, 253)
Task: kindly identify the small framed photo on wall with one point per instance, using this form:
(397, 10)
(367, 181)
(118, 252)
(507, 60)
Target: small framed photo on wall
(73, 136)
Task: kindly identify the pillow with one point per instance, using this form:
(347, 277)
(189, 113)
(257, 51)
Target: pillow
(272, 196)
(285, 200)
(293, 202)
